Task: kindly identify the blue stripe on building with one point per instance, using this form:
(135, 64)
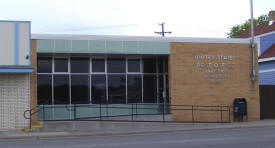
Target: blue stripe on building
(16, 70)
(16, 43)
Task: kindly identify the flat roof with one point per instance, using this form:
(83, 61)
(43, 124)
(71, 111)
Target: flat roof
(137, 38)
(15, 21)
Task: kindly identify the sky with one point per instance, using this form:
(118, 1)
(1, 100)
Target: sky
(185, 18)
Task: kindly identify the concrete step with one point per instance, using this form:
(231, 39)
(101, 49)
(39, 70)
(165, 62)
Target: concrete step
(34, 126)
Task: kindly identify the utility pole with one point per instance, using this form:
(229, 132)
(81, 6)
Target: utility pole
(162, 33)
(253, 71)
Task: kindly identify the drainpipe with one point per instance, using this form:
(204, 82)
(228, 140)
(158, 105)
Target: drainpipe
(252, 44)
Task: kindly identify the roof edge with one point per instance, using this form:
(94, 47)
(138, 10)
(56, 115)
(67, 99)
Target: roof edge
(137, 38)
(261, 35)
(15, 21)
(267, 59)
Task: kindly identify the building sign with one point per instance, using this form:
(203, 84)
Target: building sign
(215, 68)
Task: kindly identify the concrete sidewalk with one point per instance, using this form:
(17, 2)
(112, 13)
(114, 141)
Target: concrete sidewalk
(101, 128)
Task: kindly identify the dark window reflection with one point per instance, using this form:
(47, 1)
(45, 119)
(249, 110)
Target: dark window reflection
(167, 89)
(61, 65)
(80, 89)
(133, 65)
(61, 89)
(149, 65)
(149, 89)
(160, 65)
(44, 65)
(134, 90)
(116, 89)
(98, 65)
(166, 64)
(44, 89)
(98, 87)
(116, 66)
(79, 65)
(161, 88)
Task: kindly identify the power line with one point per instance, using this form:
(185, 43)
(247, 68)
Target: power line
(162, 33)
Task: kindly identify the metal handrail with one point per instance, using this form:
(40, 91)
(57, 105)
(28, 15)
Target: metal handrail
(162, 109)
(32, 113)
(69, 109)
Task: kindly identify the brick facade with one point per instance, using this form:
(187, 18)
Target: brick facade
(199, 75)
(33, 78)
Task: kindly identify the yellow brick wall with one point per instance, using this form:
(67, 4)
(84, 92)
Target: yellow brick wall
(189, 83)
(33, 78)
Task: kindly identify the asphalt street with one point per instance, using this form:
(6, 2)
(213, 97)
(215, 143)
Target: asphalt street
(226, 138)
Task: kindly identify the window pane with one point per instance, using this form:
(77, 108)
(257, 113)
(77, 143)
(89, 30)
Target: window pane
(98, 87)
(61, 89)
(80, 89)
(133, 65)
(116, 89)
(116, 66)
(149, 66)
(160, 65)
(98, 65)
(161, 89)
(134, 90)
(149, 89)
(44, 65)
(166, 64)
(61, 65)
(44, 89)
(167, 89)
(79, 65)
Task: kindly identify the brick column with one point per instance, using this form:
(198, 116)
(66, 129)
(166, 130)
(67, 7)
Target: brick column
(33, 78)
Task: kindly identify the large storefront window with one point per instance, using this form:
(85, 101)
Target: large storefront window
(149, 65)
(61, 65)
(133, 65)
(116, 89)
(167, 89)
(98, 65)
(98, 86)
(161, 88)
(79, 65)
(150, 89)
(80, 89)
(116, 66)
(44, 65)
(160, 65)
(61, 89)
(44, 89)
(69, 80)
(134, 89)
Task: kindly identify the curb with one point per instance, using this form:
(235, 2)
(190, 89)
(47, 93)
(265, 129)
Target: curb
(72, 134)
